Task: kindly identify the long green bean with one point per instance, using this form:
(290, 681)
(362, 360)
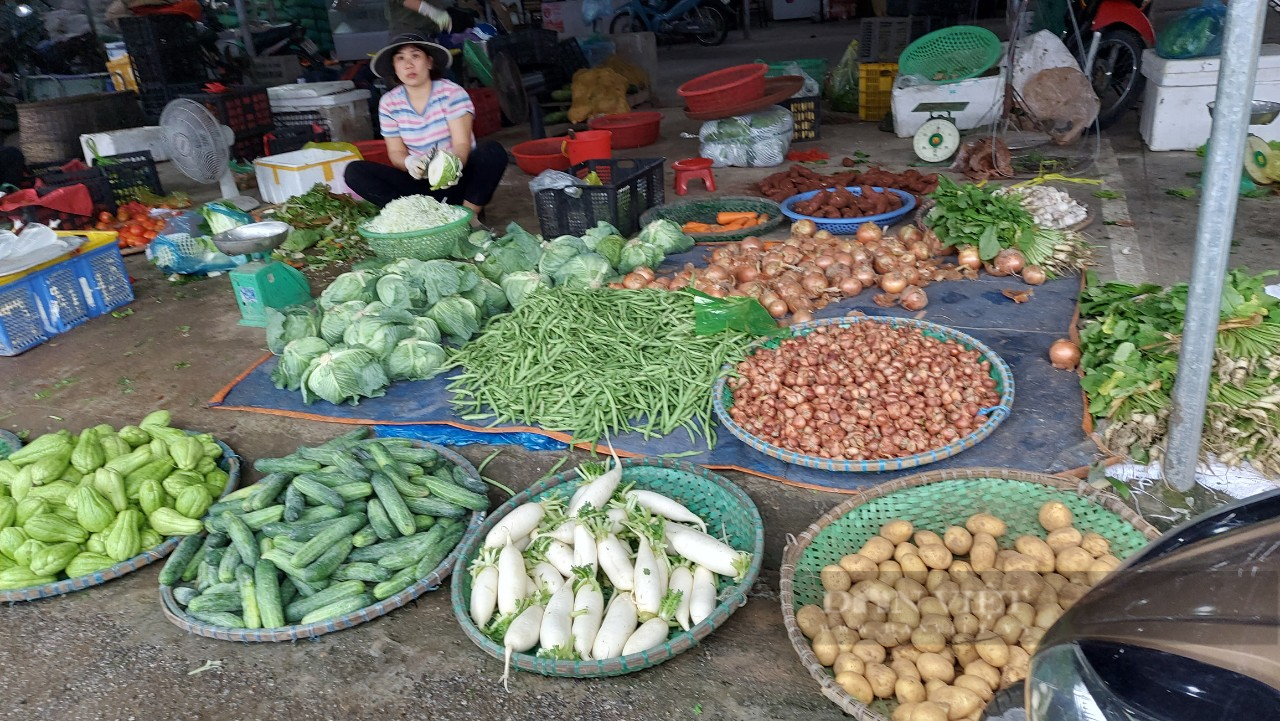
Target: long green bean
(596, 363)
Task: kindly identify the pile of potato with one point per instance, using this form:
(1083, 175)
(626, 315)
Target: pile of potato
(942, 622)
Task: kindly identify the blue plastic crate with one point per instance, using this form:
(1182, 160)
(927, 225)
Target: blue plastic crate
(108, 282)
(20, 325)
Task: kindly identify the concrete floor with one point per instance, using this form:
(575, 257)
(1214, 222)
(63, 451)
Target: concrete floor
(109, 653)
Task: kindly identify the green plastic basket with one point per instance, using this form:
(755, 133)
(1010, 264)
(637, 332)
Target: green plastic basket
(725, 507)
(704, 211)
(478, 62)
(951, 54)
(934, 501)
(8, 444)
(431, 244)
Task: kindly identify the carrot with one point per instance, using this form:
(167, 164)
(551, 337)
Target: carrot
(695, 227)
(727, 218)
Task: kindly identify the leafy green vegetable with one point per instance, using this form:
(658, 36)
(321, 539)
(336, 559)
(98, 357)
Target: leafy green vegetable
(558, 252)
(414, 359)
(334, 216)
(377, 335)
(610, 247)
(337, 318)
(344, 374)
(488, 297)
(638, 253)
(457, 317)
(355, 285)
(295, 360)
(584, 271)
(291, 323)
(300, 240)
(971, 215)
(518, 286)
(394, 292)
(221, 217)
(667, 235)
(594, 235)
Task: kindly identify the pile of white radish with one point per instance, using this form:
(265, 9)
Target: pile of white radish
(611, 573)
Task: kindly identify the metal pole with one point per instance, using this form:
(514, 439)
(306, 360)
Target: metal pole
(746, 19)
(1241, 42)
(246, 36)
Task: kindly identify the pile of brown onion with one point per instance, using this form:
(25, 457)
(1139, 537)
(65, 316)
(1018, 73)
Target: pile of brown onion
(813, 268)
(869, 391)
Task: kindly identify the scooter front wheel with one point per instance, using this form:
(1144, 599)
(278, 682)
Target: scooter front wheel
(1117, 75)
(625, 22)
(715, 28)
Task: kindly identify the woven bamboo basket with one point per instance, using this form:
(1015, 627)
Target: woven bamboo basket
(721, 503)
(704, 211)
(51, 129)
(175, 613)
(229, 462)
(934, 501)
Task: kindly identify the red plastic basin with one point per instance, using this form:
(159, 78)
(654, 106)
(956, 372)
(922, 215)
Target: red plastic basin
(374, 150)
(630, 130)
(535, 156)
(724, 88)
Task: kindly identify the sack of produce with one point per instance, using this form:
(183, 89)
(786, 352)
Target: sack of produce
(1197, 33)
(756, 140)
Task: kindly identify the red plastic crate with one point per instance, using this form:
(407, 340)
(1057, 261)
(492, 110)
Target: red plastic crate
(488, 119)
(246, 110)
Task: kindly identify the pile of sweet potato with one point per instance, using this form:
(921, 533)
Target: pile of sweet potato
(842, 203)
(799, 179)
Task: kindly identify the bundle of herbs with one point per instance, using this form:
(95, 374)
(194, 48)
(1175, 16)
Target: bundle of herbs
(325, 221)
(1130, 341)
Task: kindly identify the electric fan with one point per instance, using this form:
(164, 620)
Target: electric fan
(201, 147)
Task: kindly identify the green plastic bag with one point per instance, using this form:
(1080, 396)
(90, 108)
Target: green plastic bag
(740, 313)
(842, 84)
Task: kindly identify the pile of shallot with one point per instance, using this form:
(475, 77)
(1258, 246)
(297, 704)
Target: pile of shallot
(865, 392)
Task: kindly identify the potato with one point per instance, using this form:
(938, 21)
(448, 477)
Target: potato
(909, 690)
(1064, 538)
(923, 537)
(845, 638)
(870, 629)
(825, 648)
(835, 620)
(877, 548)
(1016, 670)
(811, 619)
(835, 578)
(905, 668)
(1071, 594)
(986, 523)
(1009, 628)
(971, 585)
(906, 548)
(930, 606)
(959, 605)
(882, 679)
(935, 555)
(879, 593)
(1056, 580)
(893, 634)
(914, 568)
(889, 572)
(1023, 586)
(985, 671)
(836, 600)
(898, 531)
(929, 711)
(1013, 561)
(1024, 612)
(904, 712)
(910, 590)
(928, 640)
(960, 702)
(859, 567)
(856, 686)
(938, 622)
(1096, 545)
(875, 613)
(869, 651)
(934, 666)
(1079, 578)
(992, 578)
(957, 540)
(946, 591)
(1030, 640)
(1099, 569)
(935, 578)
(964, 649)
(976, 684)
(1055, 515)
(847, 662)
(855, 614)
(987, 605)
(967, 623)
(904, 611)
(961, 570)
(1039, 550)
(907, 653)
(1073, 560)
(1046, 616)
(992, 649)
(982, 557)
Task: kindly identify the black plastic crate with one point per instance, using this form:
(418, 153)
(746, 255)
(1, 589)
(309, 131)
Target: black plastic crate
(250, 146)
(288, 138)
(163, 49)
(129, 173)
(92, 178)
(154, 99)
(806, 113)
(572, 59)
(629, 187)
(246, 109)
(883, 39)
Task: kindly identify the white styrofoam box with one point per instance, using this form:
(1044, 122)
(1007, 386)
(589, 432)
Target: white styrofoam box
(985, 97)
(1037, 52)
(1204, 71)
(294, 91)
(1177, 118)
(129, 140)
(347, 113)
(283, 176)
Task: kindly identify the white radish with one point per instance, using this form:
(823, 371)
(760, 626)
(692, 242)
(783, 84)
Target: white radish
(513, 581)
(703, 596)
(522, 635)
(651, 633)
(648, 587)
(523, 543)
(598, 492)
(615, 561)
(664, 564)
(547, 577)
(560, 555)
(484, 588)
(660, 505)
(533, 588)
(707, 551)
(556, 630)
(584, 548)
(682, 581)
(518, 523)
(617, 519)
(588, 611)
(577, 494)
(562, 533)
(618, 625)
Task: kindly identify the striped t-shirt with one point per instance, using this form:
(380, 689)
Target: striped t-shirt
(423, 131)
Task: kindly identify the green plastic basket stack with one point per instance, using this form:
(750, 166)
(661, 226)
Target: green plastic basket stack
(951, 54)
(934, 501)
(430, 244)
(703, 210)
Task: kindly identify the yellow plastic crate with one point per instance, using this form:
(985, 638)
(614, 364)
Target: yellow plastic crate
(94, 239)
(875, 90)
(121, 72)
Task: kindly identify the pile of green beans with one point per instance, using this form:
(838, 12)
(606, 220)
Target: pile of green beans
(594, 364)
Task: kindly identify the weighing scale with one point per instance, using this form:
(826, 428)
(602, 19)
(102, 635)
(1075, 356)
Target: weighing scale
(939, 138)
(262, 283)
(1261, 162)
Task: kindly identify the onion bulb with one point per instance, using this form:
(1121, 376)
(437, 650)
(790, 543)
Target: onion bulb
(893, 282)
(746, 273)
(849, 286)
(1033, 275)
(865, 275)
(803, 228)
(751, 244)
(995, 270)
(801, 316)
(969, 258)
(823, 235)
(824, 261)
(920, 249)
(646, 272)
(776, 307)
(716, 273)
(913, 298)
(869, 233)
(814, 283)
(1064, 354)
(909, 234)
(634, 281)
(884, 262)
(1010, 261)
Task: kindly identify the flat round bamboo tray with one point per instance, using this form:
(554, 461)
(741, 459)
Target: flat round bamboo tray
(703, 210)
(722, 401)
(175, 613)
(722, 504)
(229, 462)
(934, 501)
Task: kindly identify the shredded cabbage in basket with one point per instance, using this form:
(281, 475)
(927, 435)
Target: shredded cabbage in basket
(414, 212)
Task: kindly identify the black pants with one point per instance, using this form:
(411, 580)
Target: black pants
(380, 184)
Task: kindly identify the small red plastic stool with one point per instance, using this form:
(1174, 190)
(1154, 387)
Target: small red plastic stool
(693, 169)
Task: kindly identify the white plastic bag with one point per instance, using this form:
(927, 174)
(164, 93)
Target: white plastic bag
(756, 140)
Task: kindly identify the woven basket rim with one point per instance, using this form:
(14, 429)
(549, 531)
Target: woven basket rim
(430, 582)
(151, 555)
(795, 549)
(416, 234)
(979, 434)
(776, 217)
(11, 441)
(734, 597)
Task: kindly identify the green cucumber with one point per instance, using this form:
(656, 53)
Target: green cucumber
(438, 551)
(316, 547)
(294, 504)
(412, 470)
(184, 594)
(215, 602)
(361, 571)
(335, 592)
(267, 586)
(348, 439)
(269, 487)
(393, 503)
(397, 583)
(381, 522)
(288, 545)
(227, 566)
(422, 523)
(469, 482)
(409, 489)
(416, 456)
(318, 513)
(354, 491)
(180, 559)
(337, 608)
(319, 493)
(288, 464)
(324, 566)
(248, 597)
(217, 618)
(411, 552)
(243, 541)
(288, 592)
(455, 494)
(218, 588)
(435, 507)
(367, 536)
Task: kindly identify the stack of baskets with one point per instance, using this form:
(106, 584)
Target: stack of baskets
(428, 244)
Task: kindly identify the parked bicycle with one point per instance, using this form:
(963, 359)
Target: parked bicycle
(704, 20)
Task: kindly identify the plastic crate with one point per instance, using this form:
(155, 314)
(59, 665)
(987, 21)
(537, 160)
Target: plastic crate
(629, 187)
(94, 179)
(153, 99)
(294, 130)
(246, 110)
(129, 173)
(250, 146)
(572, 58)
(806, 114)
(164, 49)
(121, 72)
(815, 68)
(53, 298)
(875, 89)
(488, 117)
(883, 39)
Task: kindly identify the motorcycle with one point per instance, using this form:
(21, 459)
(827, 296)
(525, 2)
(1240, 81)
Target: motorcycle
(704, 20)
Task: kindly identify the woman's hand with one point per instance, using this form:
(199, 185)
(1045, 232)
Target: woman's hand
(417, 166)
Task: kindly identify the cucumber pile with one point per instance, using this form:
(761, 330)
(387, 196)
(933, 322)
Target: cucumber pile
(327, 531)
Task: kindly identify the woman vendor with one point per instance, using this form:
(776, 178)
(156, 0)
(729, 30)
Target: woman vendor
(423, 115)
